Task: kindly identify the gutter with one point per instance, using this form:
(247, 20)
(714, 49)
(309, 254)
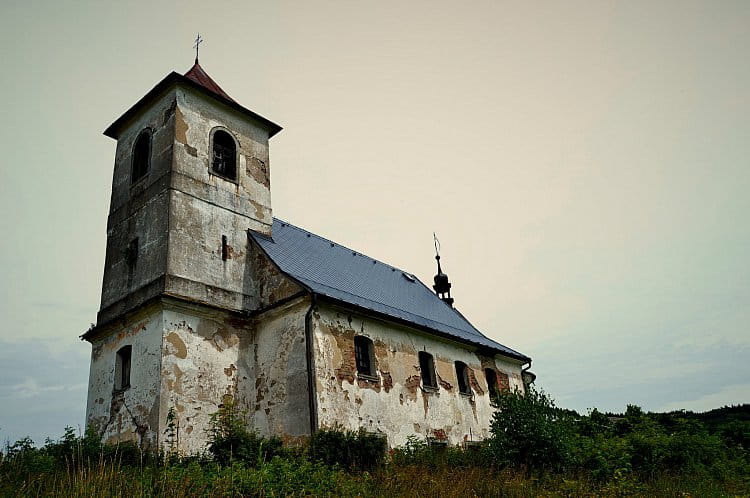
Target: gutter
(309, 350)
(526, 370)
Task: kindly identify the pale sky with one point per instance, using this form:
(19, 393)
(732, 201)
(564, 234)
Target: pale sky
(585, 165)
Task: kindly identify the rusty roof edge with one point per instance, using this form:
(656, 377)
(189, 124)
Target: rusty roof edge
(175, 78)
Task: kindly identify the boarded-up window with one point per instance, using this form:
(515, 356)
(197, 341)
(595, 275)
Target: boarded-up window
(462, 375)
(122, 367)
(141, 156)
(364, 355)
(224, 161)
(427, 368)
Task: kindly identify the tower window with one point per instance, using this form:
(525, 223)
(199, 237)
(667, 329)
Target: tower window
(427, 367)
(491, 377)
(224, 248)
(364, 355)
(462, 374)
(141, 155)
(224, 160)
(122, 368)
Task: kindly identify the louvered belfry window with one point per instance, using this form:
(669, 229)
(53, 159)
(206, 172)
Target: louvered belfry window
(224, 162)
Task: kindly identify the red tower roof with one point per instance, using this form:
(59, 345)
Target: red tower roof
(198, 75)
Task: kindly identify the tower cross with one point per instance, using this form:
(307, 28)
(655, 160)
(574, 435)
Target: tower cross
(196, 45)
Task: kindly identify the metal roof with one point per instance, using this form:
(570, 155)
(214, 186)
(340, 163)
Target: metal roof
(197, 74)
(337, 272)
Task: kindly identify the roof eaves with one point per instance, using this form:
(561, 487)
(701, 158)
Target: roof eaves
(173, 79)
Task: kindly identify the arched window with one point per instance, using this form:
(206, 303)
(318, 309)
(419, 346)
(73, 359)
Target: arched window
(365, 356)
(462, 374)
(141, 155)
(122, 368)
(427, 368)
(491, 377)
(224, 160)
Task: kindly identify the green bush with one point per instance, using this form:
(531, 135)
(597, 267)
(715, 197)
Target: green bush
(528, 431)
(229, 439)
(348, 449)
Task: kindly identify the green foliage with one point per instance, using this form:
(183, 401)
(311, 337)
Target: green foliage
(348, 449)
(230, 440)
(632, 454)
(529, 431)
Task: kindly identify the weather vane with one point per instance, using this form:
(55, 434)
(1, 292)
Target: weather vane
(437, 245)
(198, 41)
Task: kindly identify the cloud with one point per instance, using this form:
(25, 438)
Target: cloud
(42, 387)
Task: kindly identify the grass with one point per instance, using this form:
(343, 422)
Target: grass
(295, 477)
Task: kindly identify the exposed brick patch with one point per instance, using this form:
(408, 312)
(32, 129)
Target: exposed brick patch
(387, 381)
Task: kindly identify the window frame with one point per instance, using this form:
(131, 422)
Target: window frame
(462, 377)
(211, 145)
(147, 132)
(427, 365)
(365, 344)
(123, 368)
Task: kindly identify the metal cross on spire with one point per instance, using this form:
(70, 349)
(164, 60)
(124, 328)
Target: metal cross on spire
(196, 45)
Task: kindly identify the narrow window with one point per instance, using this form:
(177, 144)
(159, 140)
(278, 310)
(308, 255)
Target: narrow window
(224, 160)
(131, 253)
(122, 368)
(462, 374)
(141, 156)
(224, 248)
(427, 367)
(364, 356)
(491, 377)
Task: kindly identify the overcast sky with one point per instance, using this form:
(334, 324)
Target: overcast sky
(585, 165)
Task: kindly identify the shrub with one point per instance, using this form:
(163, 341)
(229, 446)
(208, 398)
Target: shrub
(348, 449)
(230, 440)
(528, 430)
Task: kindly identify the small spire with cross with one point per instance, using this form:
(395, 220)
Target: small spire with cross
(196, 45)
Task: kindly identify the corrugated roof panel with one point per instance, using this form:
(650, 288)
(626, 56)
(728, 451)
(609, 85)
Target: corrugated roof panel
(345, 275)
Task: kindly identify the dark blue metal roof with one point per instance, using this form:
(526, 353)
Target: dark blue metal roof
(334, 271)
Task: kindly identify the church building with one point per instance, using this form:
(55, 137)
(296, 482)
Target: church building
(208, 298)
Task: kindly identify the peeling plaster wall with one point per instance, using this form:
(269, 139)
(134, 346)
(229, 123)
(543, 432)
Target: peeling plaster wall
(209, 356)
(204, 207)
(396, 404)
(203, 361)
(140, 210)
(132, 414)
(279, 396)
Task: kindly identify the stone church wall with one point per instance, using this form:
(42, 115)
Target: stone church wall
(139, 210)
(131, 414)
(396, 404)
(210, 357)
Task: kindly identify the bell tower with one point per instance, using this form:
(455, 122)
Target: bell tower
(191, 176)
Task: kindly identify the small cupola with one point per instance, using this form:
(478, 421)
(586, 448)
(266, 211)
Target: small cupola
(442, 284)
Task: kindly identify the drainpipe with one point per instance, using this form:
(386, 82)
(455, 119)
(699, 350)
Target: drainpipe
(311, 366)
(525, 369)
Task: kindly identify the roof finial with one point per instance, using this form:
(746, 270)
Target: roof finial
(442, 285)
(196, 45)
